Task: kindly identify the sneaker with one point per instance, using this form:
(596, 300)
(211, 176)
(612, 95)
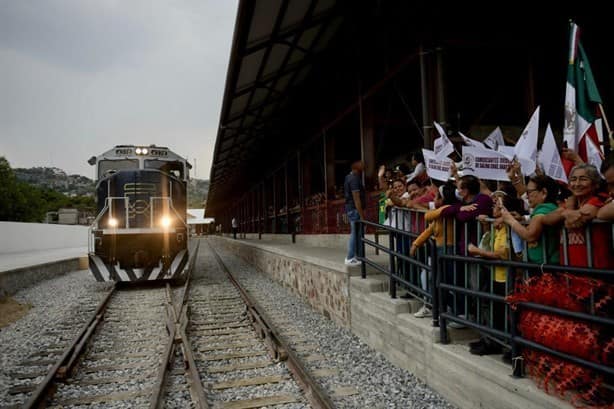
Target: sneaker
(457, 325)
(352, 262)
(423, 312)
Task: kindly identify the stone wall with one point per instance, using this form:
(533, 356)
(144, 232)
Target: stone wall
(324, 289)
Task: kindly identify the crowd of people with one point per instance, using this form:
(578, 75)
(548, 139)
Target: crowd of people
(519, 219)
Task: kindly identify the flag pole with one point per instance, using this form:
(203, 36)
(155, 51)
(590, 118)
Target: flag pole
(607, 143)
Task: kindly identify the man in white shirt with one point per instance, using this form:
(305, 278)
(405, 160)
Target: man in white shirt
(235, 227)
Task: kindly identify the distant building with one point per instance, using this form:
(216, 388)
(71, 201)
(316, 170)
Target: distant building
(198, 223)
(69, 216)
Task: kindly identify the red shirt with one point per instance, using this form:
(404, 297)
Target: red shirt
(577, 250)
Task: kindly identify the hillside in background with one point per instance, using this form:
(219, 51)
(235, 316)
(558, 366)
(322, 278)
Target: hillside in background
(57, 180)
(77, 185)
(197, 193)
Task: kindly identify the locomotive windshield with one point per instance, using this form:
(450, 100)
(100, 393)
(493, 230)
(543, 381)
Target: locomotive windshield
(172, 168)
(110, 166)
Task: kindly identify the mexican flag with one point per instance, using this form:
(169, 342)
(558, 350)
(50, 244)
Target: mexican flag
(582, 101)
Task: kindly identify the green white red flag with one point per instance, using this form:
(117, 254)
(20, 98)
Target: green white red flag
(582, 101)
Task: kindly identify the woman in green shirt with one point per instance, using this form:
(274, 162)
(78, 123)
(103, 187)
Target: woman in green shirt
(541, 194)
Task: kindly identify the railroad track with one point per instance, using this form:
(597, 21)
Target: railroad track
(206, 344)
(243, 359)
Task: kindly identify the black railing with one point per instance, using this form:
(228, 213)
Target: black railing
(462, 288)
(402, 270)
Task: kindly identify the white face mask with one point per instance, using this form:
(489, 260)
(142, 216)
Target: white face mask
(458, 195)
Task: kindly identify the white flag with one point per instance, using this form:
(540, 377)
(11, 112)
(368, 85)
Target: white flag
(526, 147)
(442, 146)
(495, 139)
(436, 168)
(485, 163)
(549, 158)
(471, 142)
(593, 154)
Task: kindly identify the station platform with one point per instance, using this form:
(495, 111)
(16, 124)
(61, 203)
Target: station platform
(313, 268)
(21, 269)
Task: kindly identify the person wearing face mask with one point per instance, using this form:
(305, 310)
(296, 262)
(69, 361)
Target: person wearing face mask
(473, 204)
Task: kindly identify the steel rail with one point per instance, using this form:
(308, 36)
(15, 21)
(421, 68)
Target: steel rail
(177, 321)
(316, 396)
(64, 366)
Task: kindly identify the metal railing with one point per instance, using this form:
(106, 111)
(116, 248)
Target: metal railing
(412, 274)
(463, 288)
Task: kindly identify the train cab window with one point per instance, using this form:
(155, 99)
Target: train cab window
(107, 167)
(172, 168)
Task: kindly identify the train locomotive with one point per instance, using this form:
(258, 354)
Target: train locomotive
(140, 232)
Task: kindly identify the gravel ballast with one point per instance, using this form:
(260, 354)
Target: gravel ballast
(61, 302)
(380, 384)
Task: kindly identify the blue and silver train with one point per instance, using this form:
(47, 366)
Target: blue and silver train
(140, 232)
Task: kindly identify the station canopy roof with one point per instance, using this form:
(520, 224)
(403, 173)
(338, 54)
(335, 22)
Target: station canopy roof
(275, 46)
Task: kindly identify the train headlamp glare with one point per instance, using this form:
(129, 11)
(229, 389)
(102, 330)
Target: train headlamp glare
(165, 221)
(113, 222)
(138, 151)
(144, 150)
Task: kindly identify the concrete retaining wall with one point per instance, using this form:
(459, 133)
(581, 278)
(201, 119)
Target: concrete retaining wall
(326, 290)
(389, 326)
(338, 241)
(21, 237)
(13, 280)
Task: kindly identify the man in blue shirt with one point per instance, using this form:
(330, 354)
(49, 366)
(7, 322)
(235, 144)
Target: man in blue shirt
(355, 200)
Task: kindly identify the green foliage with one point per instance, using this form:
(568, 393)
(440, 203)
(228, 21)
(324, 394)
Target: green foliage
(22, 202)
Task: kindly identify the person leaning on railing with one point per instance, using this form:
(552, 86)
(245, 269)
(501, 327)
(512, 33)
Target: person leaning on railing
(541, 194)
(445, 197)
(580, 209)
(473, 204)
(499, 250)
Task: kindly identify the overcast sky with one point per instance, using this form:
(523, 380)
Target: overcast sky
(80, 76)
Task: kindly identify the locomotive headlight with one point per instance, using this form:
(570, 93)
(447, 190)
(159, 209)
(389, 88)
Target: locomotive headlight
(144, 151)
(113, 222)
(165, 221)
(138, 151)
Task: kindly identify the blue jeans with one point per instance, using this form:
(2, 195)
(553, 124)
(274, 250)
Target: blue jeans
(355, 230)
